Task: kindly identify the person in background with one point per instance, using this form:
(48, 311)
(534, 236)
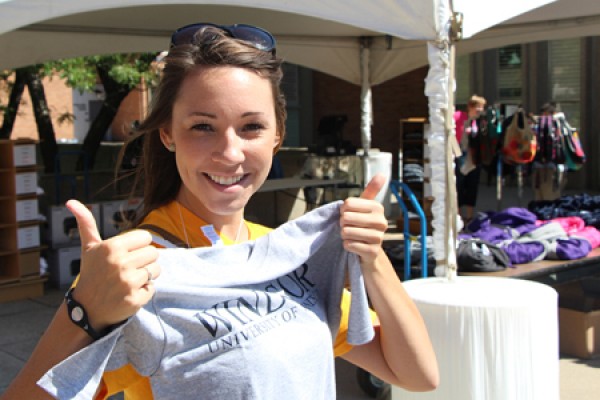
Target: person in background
(217, 118)
(467, 168)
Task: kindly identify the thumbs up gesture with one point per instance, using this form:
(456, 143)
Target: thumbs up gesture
(363, 222)
(116, 274)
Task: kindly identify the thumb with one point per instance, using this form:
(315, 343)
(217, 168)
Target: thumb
(88, 230)
(373, 187)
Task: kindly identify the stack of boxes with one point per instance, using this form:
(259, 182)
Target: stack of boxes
(65, 254)
(20, 244)
(114, 213)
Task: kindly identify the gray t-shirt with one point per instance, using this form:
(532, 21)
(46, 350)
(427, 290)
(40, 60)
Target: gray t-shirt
(252, 321)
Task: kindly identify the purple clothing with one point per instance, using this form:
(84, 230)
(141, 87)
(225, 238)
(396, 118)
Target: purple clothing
(523, 253)
(525, 239)
(570, 249)
(513, 216)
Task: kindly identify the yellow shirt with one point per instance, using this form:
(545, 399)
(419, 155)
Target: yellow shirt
(178, 225)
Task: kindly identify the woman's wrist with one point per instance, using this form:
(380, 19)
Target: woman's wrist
(79, 316)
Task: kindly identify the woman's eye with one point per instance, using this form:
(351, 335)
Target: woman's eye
(253, 127)
(202, 127)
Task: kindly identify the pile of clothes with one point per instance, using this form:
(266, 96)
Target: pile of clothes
(585, 206)
(496, 240)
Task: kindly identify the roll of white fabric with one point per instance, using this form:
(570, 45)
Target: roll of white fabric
(494, 338)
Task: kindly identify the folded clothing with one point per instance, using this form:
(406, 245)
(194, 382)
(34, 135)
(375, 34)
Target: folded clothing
(475, 255)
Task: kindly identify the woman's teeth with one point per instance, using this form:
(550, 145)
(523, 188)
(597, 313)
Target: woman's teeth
(225, 180)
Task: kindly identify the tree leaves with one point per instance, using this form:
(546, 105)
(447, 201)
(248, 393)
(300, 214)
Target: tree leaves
(126, 69)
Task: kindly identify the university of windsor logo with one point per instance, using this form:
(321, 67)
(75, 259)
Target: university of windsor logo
(237, 320)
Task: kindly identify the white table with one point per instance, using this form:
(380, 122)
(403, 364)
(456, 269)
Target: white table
(494, 338)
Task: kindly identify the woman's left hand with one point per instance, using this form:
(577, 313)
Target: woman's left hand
(363, 222)
(401, 352)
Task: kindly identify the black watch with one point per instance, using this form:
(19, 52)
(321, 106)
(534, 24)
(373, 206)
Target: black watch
(79, 317)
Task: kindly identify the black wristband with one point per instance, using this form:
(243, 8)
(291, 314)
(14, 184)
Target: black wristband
(79, 317)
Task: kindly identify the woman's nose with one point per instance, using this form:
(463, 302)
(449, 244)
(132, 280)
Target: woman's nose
(230, 148)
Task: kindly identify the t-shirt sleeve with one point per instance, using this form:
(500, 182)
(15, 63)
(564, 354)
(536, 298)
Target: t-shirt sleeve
(341, 345)
(79, 376)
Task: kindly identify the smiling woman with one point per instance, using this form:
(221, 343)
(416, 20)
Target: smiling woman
(217, 119)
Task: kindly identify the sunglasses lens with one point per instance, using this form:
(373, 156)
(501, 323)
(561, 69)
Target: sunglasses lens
(186, 34)
(260, 38)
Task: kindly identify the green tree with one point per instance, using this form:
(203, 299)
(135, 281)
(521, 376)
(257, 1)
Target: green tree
(119, 74)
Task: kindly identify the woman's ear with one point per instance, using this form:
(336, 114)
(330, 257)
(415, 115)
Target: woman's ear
(276, 143)
(166, 139)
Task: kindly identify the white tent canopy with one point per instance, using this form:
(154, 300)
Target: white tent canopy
(323, 35)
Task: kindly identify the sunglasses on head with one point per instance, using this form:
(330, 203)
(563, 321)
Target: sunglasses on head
(258, 37)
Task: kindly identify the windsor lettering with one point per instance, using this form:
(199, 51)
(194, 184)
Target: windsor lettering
(219, 319)
(224, 317)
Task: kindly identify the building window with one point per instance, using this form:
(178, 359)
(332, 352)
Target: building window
(510, 81)
(463, 79)
(564, 63)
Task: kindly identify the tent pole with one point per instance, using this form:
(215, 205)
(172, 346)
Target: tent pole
(366, 105)
(451, 149)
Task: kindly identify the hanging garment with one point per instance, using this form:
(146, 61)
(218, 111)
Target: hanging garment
(573, 150)
(520, 142)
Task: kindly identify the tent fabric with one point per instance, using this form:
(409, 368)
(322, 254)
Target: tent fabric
(325, 36)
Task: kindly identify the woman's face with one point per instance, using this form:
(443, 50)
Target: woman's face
(476, 110)
(224, 132)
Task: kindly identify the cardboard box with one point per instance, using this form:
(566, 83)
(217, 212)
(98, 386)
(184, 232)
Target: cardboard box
(29, 263)
(112, 215)
(28, 237)
(64, 265)
(24, 155)
(27, 210)
(17, 153)
(13, 211)
(26, 182)
(24, 289)
(579, 332)
(63, 225)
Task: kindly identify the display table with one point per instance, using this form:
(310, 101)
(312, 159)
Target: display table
(494, 338)
(551, 272)
(280, 200)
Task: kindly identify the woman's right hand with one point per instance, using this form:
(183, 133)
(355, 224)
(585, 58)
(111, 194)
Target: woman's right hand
(113, 280)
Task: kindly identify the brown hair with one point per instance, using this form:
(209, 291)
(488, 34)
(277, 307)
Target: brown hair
(476, 100)
(157, 172)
